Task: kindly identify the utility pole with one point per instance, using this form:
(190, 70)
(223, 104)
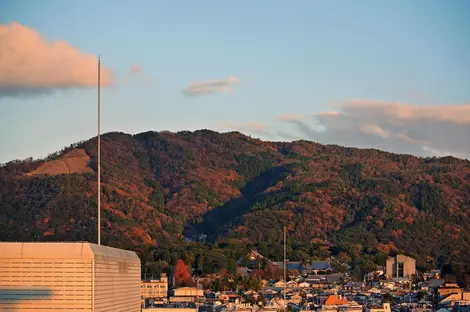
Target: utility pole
(99, 154)
(197, 294)
(285, 267)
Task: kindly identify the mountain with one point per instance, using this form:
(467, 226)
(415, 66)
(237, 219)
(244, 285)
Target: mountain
(238, 193)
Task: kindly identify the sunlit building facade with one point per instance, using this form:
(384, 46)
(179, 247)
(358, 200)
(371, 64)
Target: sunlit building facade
(400, 266)
(68, 276)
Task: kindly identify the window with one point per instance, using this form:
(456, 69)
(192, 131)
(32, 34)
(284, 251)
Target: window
(400, 269)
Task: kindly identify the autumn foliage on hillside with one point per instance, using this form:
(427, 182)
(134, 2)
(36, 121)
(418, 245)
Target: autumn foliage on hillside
(237, 193)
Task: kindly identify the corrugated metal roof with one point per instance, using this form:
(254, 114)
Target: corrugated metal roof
(61, 250)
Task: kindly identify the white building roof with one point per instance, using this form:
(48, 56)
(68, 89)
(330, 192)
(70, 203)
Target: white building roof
(62, 250)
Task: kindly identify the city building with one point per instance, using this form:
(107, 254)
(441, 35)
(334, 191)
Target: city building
(152, 289)
(400, 266)
(187, 294)
(68, 276)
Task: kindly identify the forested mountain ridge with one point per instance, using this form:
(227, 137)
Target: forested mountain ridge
(241, 192)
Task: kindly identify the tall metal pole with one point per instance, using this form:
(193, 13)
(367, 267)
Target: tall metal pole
(285, 267)
(99, 155)
(197, 294)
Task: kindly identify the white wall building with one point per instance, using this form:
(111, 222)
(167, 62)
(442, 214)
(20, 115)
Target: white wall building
(68, 276)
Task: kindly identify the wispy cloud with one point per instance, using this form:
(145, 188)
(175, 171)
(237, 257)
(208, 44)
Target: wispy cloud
(287, 136)
(30, 65)
(291, 117)
(209, 87)
(253, 127)
(395, 127)
(136, 69)
(136, 76)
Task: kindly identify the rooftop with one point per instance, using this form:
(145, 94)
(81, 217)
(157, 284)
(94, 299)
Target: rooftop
(61, 250)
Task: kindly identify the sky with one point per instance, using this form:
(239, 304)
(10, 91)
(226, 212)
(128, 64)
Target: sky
(392, 75)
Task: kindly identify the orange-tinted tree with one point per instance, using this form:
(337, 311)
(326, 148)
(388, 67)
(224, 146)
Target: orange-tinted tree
(181, 272)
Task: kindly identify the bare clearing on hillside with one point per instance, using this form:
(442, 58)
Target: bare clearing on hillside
(75, 161)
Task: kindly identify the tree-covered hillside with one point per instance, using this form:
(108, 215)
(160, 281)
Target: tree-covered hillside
(240, 193)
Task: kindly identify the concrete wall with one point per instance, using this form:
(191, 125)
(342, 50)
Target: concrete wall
(66, 276)
(117, 285)
(188, 291)
(409, 266)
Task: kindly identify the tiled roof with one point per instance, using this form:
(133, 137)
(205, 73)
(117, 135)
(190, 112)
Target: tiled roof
(320, 265)
(335, 300)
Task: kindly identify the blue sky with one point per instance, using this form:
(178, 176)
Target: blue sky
(291, 57)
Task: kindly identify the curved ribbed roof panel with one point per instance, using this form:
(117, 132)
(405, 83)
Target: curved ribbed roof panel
(61, 250)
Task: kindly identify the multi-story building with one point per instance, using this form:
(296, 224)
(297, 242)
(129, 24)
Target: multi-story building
(187, 294)
(68, 276)
(154, 289)
(400, 266)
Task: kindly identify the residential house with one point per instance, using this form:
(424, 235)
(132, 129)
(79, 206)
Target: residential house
(326, 279)
(319, 284)
(421, 307)
(451, 299)
(461, 306)
(387, 284)
(230, 296)
(433, 274)
(375, 275)
(431, 284)
(304, 285)
(375, 290)
(385, 307)
(292, 284)
(269, 293)
(242, 307)
(333, 303)
(448, 288)
(354, 286)
(353, 306)
(211, 297)
(280, 284)
(252, 293)
(334, 278)
(296, 299)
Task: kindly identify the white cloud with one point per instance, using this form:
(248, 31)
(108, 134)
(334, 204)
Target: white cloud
(291, 117)
(136, 69)
(254, 127)
(29, 64)
(395, 127)
(209, 87)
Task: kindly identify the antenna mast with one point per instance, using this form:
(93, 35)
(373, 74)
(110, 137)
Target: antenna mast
(99, 155)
